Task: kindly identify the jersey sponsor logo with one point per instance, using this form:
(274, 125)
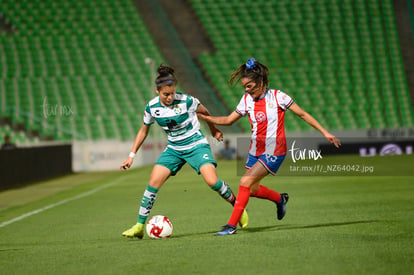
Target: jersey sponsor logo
(171, 124)
(260, 116)
(157, 112)
(178, 133)
(205, 156)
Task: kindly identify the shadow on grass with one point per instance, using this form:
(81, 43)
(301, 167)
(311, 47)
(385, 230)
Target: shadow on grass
(269, 228)
(281, 227)
(318, 225)
(209, 233)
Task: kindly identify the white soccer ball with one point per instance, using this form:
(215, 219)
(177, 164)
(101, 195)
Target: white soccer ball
(159, 227)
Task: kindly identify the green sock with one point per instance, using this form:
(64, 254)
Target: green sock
(224, 190)
(147, 202)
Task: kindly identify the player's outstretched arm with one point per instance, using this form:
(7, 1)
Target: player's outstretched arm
(139, 139)
(221, 120)
(315, 124)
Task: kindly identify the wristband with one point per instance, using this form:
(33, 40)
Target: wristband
(131, 155)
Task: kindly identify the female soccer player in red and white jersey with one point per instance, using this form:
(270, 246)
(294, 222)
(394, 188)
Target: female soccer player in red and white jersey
(266, 110)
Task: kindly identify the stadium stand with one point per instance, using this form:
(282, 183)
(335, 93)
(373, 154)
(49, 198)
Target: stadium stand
(339, 59)
(78, 69)
(75, 69)
(18, 138)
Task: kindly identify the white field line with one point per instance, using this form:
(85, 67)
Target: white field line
(53, 205)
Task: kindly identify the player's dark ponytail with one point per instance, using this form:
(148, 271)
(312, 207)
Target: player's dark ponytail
(253, 70)
(166, 77)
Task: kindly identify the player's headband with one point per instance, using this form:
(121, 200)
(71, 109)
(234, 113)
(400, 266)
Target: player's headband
(166, 82)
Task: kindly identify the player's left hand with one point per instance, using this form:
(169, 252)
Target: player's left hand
(334, 140)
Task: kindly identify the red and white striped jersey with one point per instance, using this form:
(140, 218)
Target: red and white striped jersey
(267, 120)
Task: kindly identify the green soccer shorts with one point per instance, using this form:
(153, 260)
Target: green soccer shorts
(196, 157)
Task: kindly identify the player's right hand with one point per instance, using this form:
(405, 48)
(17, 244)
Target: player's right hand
(127, 164)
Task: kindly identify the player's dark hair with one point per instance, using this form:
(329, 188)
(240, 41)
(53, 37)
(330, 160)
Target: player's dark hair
(253, 70)
(166, 77)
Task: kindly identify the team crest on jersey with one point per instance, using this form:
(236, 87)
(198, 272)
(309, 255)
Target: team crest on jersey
(177, 109)
(260, 116)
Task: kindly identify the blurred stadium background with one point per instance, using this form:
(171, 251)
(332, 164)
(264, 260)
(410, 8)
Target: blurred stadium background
(81, 72)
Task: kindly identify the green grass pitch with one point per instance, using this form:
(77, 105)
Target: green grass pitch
(348, 224)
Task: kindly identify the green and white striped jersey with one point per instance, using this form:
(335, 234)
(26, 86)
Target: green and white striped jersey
(179, 120)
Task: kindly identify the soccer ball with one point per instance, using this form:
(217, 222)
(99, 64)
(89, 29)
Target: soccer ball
(159, 227)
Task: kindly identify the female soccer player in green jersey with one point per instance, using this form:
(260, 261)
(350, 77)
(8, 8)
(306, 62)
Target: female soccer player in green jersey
(176, 113)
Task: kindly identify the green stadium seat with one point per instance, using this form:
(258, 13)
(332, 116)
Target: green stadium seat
(80, 55)
(336, 49)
